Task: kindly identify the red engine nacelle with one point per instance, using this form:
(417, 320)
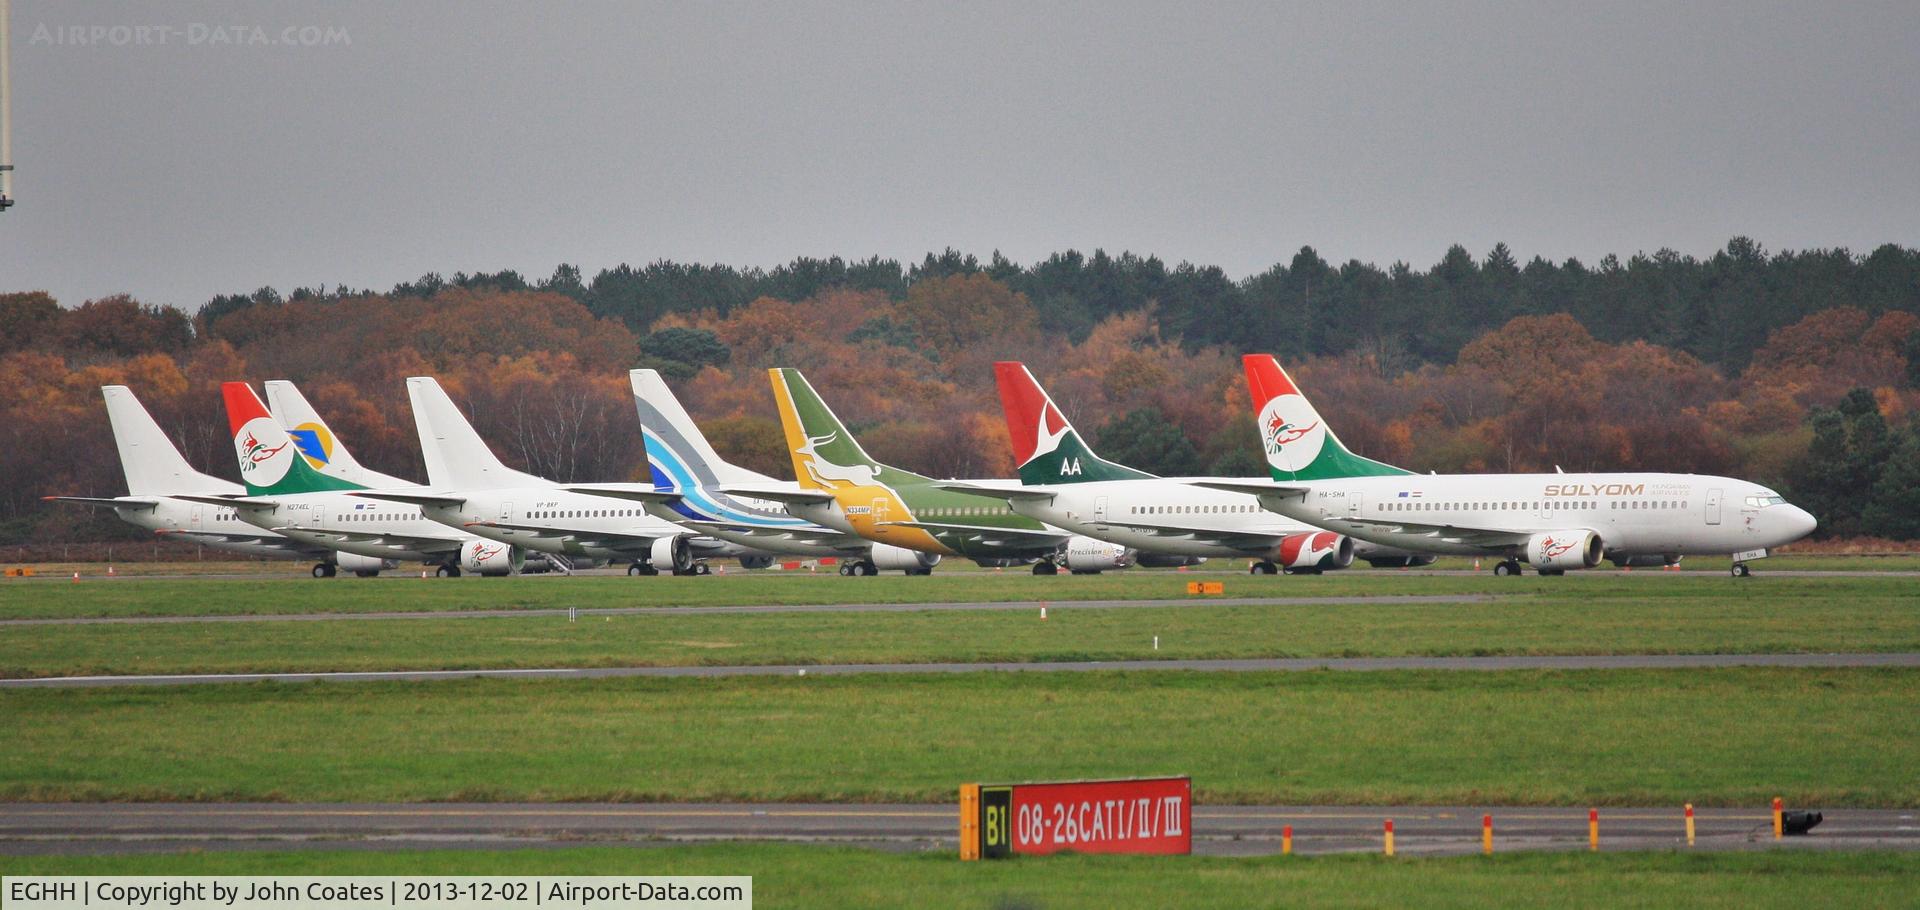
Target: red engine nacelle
(489, 557)
(1315, 550)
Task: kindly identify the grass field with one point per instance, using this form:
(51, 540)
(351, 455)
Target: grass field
(803, 876)
(1713, 737)
(1669, 615)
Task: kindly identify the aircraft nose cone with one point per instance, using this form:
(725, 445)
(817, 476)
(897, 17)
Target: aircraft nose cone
(1800, 522)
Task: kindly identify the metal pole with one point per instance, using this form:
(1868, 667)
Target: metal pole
(6, 105)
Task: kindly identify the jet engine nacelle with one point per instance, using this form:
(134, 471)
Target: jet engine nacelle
(759, 561)
(1645, 560)
(491, 558)
(1409, 561)
(363, 565)
(1314, 550)
(672, 554)
(1147, 559)
(1085, 554)
(888, 556)
(1564, 550)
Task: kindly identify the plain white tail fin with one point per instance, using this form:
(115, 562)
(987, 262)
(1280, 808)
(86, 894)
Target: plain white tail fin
(153, 464)
(677, 452)
(316, 441)
(456, 456)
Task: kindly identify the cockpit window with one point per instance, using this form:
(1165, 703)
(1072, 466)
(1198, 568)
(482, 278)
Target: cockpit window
(1763, 500)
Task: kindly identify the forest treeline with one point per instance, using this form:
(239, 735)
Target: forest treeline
(1799, 369)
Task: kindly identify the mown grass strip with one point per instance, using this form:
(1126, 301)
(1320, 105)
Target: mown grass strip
(1711, 737)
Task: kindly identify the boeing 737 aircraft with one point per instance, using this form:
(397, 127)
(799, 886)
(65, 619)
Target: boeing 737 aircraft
(843, 487)
(157, 474)
(288, 494)
(691, 483)
(1555, 522)
(473, 491)
(1066, 485)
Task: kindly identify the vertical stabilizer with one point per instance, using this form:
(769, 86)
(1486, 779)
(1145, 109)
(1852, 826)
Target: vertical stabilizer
(1297, 442)
(825, 455)
(323, 451)
(1045, 446)
(457, 458)
(270, 463)
(678, 454)
(153, 464)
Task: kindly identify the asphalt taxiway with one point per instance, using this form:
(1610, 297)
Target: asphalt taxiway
(49, 828)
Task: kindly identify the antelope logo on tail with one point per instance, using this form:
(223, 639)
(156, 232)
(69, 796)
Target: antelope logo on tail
(827, 473)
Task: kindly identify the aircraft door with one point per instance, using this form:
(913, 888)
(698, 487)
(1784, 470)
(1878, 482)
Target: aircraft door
(1100, 509)
(1713, 507)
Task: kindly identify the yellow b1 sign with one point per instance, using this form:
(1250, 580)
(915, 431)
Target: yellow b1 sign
(1153, 815)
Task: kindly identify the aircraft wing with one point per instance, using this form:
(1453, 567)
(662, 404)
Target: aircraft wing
(121, 502)
(629, 491)
(1255, 487)
(374, 538)
(1239, 540)
(259, 540)
(1490, 538)
(1005, 493)
(787, 495)
(989, 536)
(412, 499)
(826, 537)
(612, 540)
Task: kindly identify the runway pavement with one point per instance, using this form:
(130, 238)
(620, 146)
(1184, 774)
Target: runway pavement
(1014, 605)
(1574, 662)
(27, 829)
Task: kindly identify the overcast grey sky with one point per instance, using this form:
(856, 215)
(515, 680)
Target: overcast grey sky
(441, 136)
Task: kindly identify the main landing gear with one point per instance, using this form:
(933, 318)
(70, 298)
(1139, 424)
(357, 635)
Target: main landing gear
(642, 568)
(1506, 567)
(323, 570)
(1742, 570)
(1046, 567)
(1263, 567)
(863, 567)
(447, 571)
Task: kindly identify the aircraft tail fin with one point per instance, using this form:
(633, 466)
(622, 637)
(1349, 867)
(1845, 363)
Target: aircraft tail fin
(1045, 446)
(678, 454)
(153, 464)
(456, 456)
(323, 451)
(825, 455)
(1297, 442)
(270, 462)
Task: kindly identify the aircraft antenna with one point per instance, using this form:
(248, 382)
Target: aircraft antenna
(6, 106)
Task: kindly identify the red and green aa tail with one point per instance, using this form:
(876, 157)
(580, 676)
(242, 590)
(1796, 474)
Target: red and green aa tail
(1297, 442)
(270, 462)
(1045, 446)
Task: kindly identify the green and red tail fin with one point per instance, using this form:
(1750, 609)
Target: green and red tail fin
(270, 462)
(1045, 446)
(1297, 442)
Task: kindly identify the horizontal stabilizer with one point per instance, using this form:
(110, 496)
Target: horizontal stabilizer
(632, 492)
(413, 499)
(780, 494)
(1255, 487)
(104, 502)
(1009, 493)
(249, 503)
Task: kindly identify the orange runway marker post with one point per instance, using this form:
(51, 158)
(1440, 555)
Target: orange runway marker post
(1593, 829)
(1286, 840)
(1389, 841)
(1486, 834)
(1689, 824)
(1777, 828)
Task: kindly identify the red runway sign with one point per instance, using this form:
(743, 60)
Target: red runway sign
(1153, 815)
